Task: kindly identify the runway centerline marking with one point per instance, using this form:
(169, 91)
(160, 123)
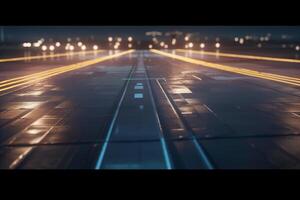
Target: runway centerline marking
(138, 95)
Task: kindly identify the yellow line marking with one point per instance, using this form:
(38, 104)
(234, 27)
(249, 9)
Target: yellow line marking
(242, 56)
(47, 56)
(50, 73)
(247, 72)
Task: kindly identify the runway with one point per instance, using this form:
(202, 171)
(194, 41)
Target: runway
(150, 109)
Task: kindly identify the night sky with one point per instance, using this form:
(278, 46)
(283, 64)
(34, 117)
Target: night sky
(21, 33)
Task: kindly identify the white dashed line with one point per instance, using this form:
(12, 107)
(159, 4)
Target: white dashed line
(138, 95)
(138, 87)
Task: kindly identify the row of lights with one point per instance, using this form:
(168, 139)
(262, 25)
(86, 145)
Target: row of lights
(68, 46)
(188, 45)
(83, 47)
(119, 40)
(247, 37)
(297, 47)
(263, 39)
(35, 44)
(201, 45)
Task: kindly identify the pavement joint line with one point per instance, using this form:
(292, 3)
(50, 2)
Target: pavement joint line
(25, 154)
(271, 88)
(149, 140)
(90, 142)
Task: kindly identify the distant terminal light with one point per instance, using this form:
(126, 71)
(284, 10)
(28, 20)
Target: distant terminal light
(36, 44)
(71, 47)
(162, 44)
(95, 47)
(83, 47)
(262, 39)
(259, 45)
(130, 39)
(150, 46)
(57, 44)
(110, 39)
(241, 41)
(248, 37)
(191, 45)
(166, 46)
(79, 44)
(129, 45)
(202, 45)
(217, 45)
(155, 40)
(186, 46)
(51, 47)
(173, 41)
(236, 39)
(283, 46)
(67, 47)
(44, 48)
(26, 44)
(186, 38)
(119, 39)
(297, 48)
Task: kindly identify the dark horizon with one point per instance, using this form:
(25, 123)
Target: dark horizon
(21, 33)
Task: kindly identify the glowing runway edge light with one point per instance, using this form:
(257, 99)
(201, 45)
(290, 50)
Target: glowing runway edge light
(243, 56)
(19, 81)
(46, 56)
(268, 76)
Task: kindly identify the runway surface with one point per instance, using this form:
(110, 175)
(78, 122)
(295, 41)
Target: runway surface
(149, 110)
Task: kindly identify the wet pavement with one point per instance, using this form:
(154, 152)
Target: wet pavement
(147, 111)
